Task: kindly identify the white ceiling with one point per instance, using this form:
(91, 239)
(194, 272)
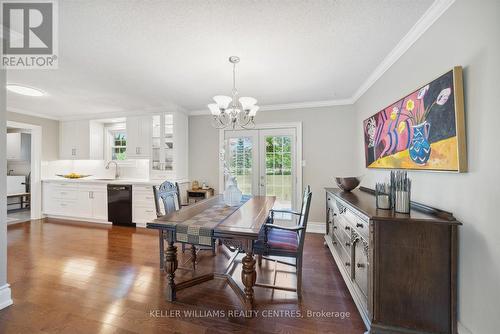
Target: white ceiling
(128, 56)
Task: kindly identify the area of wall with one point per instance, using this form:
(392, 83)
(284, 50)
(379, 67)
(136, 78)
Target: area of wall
(327, 148)
(466, 35)
(50, 133)
(5, 295)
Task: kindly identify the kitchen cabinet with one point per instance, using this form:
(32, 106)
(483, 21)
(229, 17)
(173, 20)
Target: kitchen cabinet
(139, 132)
(169, 146)
(143, 205)
(19, 146)
(87, 201)
(81, 140)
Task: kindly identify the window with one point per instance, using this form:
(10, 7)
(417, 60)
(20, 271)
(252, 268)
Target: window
(118, 145)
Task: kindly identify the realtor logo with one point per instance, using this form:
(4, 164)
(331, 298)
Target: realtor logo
(29, 34)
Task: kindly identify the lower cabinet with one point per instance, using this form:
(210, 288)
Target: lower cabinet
(75, 200)
(143, 205)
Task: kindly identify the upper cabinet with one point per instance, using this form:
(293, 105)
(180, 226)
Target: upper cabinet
(18, 146)
(139, 132)
(169, 146)
(81, 140)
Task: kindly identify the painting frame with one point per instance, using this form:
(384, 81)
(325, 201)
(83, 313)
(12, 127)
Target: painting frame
(406, 156)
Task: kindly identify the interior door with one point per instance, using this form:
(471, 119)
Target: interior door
(264, 163)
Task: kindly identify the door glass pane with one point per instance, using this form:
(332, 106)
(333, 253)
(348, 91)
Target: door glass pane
(156, 140)
(278, 171)
(240, 162)
(169, 141)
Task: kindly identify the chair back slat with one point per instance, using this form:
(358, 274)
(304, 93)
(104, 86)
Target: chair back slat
(168, 194)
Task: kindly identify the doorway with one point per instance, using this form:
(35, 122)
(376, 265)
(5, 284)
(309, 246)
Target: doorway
(23, 172)
(266, 161)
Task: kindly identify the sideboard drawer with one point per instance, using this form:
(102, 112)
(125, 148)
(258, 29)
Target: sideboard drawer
(360, 225)
(344, 257)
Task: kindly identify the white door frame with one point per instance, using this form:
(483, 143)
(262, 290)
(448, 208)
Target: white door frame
(36, 166)
(266, 126)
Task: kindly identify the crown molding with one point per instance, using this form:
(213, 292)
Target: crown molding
(430, 16)
(288, 106)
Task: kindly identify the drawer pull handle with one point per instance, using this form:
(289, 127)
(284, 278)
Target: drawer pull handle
(347, 264)
(359, 225)
(360, 265)
(334, 227)
(348, 244)
(347, 228)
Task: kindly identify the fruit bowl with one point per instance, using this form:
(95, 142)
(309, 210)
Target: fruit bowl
(348, 183)
(72, 176)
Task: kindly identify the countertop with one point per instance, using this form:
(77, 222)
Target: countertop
(107, 181)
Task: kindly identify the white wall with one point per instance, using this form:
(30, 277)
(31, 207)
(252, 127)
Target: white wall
(50, 133)
(468, 34)
(327, 148)
(5, 298)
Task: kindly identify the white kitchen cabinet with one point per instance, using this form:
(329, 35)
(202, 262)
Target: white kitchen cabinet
(88, 201)
(169, 157)
(81, 140)
(143, 205)
(139, 132)
(19, 146)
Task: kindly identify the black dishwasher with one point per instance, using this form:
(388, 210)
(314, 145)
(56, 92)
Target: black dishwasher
(120, 204)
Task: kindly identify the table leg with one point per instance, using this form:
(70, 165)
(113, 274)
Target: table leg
(162, 250)
(193, 257)
(171, 267)
(248, 277)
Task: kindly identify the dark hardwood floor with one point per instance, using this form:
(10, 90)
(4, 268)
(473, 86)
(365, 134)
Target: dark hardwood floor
(69, 277)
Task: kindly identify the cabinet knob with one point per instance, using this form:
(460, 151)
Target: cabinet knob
(347, 228)
(347, 264)
(334, 227)
(360, 265)
(334, 242)
(348, 244)
(359, 225)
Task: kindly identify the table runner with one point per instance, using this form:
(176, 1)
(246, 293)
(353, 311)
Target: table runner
(199, 230)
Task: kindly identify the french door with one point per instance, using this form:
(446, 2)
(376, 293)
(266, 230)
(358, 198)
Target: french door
(264, 162)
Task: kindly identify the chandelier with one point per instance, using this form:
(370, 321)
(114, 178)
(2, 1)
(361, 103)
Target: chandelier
(233, 110)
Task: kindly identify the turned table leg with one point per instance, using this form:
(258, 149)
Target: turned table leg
(162, 250)
(170, 268)
(248, 277)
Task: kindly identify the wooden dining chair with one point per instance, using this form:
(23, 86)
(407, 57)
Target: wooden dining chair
(284, 241)
(168, 193)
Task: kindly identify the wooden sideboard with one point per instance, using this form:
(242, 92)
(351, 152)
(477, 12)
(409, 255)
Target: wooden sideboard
(400, 268)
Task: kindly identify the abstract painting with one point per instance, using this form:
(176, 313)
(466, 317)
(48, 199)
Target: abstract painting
(424, 130)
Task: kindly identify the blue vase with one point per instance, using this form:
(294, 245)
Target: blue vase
(420, 149)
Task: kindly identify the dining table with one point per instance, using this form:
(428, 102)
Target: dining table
(206, 221)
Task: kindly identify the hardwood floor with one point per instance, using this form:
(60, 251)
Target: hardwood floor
(69, 277)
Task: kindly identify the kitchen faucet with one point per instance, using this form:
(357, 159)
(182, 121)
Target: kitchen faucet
(117, 170)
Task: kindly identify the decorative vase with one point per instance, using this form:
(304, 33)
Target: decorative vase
(232, 195)
(420, 149)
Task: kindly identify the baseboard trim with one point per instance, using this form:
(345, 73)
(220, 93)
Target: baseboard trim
(461, 329)
(315, 227)
(78, 219)
(5, 296)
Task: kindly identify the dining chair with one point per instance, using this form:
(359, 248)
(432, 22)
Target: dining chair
(284, 241)
(168, 193)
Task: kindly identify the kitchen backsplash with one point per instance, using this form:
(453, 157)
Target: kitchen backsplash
(130, 169)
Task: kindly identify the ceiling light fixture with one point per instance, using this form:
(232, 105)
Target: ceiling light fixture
(233, 111)
(25, 90)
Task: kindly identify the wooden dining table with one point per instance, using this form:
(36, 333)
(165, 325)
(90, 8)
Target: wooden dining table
(238, 231)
